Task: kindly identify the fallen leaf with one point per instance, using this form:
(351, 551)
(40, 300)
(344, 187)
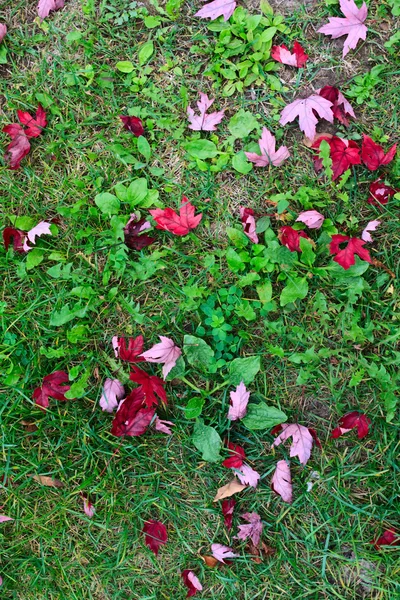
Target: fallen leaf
(17, 236)
(16, 150)
(133, 233)
(249, 223)
(282, 481)
(113, 391)
(247, 475)
(151, 385)
(302, 441)
(42, 228)
(48, 481)
(353, 420)
(306, 109)
(352, 25)
(191, 582)
(210, 561)
(181, 224)
(373, 155)
(345, 258)
(130, 353)
(343, 153)
(269, 155)
(236, 459)
(290, 238)
(390, 537)
(217, 8)
(3, 31)
(33, 125)
(165, 352)
(133, 124)
(4, 518)
(371, 226)
(342, 109)
(204, 122)
(29, 426)
(380, 193)
(238, 402)
(312, 218)
(253, 530)
(162, 426)
(132, 417)
(228, 506)
(88, 507)
(260, 554)
(53, 386)
(221, 552)
(282, 54)
(233, 487)
(155, 534)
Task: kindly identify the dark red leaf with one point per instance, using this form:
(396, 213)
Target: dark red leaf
(155, 535)
(131, 353)
(53, 386)
(345, 258)
(373, 155)
(17, 236)
(341, 109)
(315, 437)
(191, 582)
(290, 238)
(389, 538)
(17, 149)
(133, 124)
(353, 420)
(228, 506)
(150, 386)
(276, 429)
(132, 418)
(132, 232)
(380, 193)
(34, 125)
(235, 461)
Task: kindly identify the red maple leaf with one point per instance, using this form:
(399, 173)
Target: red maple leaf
(297, 58)
(345, 258)
(132, 417)
(53, 386)
(19, 146)
(343, 153)
(17, 236)
(380, 193)
(342, 109)
(181, 224)
(228, 506)
(390, 537)
(150, 386)
(373, 155)
(350, 421)
(133, 236)
(155, 535)
(290, 238)
(133, 124)
(33, 125)
(130, 353)
(235, 461)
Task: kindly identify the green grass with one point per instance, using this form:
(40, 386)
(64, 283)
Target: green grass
(322, 356)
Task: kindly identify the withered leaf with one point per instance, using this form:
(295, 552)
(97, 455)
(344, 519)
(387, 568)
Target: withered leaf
(48, 481)
(233, 487)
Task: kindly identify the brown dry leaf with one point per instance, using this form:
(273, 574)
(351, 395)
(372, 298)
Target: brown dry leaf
(308, 143)
(233, 487)
(210, 561)
(260, 554)
(48, 481)
(29, 426)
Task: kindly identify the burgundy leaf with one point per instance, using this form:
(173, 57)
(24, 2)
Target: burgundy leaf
(133, 124)
(290, 238)
(155, 534)
(390, 537)
(132, 417)
(33, 125)
(53, 386)
(353, 420)
(133, 233)
(380, 193)
(228, 506)
(130, 353)
(17, 236)
(191, 582)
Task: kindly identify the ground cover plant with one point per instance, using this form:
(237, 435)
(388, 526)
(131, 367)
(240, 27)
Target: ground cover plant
(200, 299)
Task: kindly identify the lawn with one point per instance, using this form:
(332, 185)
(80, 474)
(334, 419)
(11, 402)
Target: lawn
(308, 337)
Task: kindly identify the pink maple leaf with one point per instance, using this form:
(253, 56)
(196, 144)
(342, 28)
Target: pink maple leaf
(282, 481)
(239, 400)
(351, 25)
(307, 109)
(4, 518)
(46, 6)
(215, 9)
(204, 122)
(371, 226)
(191, 582)
(3, 31)
(249, 223)
(88, 507)
(283, 55)
(269, 155)
(253, 530)
(221, 552)
(113, 391)
(42, 228)
(247, 475)
(162, 426)
(312, 218)
(165, 352)
(302, 440)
